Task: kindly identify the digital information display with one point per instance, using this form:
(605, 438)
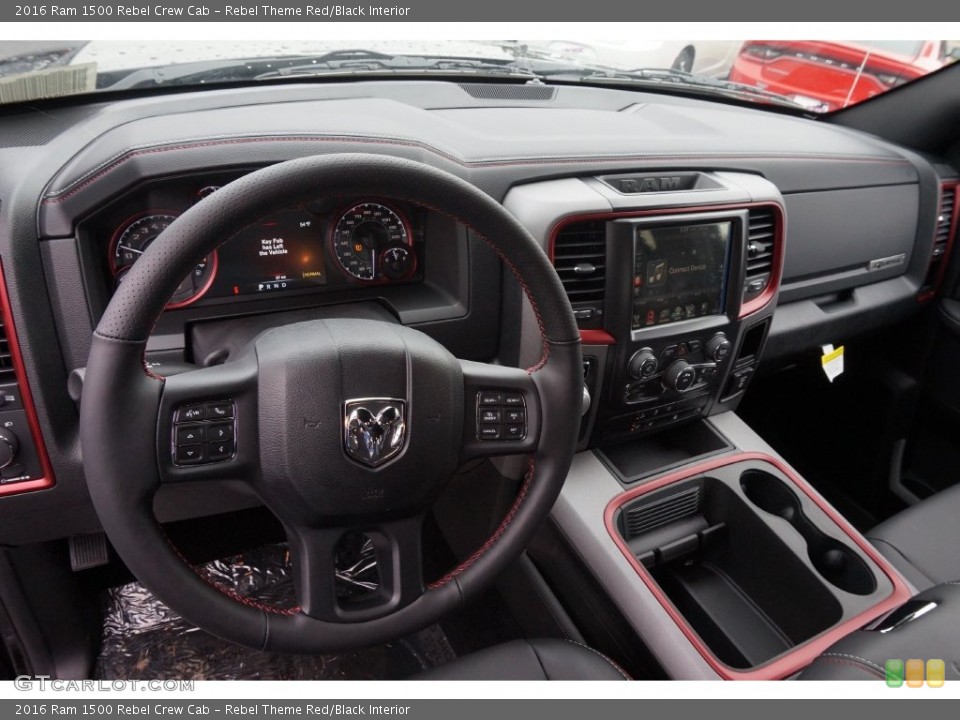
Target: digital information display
(679, 272)
(281, 252)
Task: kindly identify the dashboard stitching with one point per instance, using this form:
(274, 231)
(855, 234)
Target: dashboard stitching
(481, 551)
(109, 165)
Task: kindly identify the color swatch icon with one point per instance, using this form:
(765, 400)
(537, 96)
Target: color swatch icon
(936, 673)
(914, 672)
(894, 673)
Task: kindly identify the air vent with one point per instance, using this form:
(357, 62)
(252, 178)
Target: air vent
(651, 516)
(942, 240)
(7, 373)
(580, 258)
(493, 91)
(761, 241)
(944, 222)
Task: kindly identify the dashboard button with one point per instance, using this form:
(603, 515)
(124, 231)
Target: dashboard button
(220, 432)
(514, 417)
(489, 433)
(190, 434)
(189, 413)
(668, 354)
(190, 454)
(489, 416)
(694, 346)
(488, 397)
(219, 451)
(218, 410)
(513, 432)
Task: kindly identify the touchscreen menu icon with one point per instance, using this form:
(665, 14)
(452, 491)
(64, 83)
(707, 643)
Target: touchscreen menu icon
(656, 272)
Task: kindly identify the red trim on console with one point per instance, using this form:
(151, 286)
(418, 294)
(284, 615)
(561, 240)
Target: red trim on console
(951, 235)
(776, 267)
(776, 270)
(30, 410)
(597, 337)
(800, 656)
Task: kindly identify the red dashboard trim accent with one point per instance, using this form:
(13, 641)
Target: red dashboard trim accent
(776, 270)
(203, 290)
(122, 228)
(946, 187)
(802, 655)
(47, 480)
(597, 337)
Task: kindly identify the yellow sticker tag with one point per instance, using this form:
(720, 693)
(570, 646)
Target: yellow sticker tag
(832, 362)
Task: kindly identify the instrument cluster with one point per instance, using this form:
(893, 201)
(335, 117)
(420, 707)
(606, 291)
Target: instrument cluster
(314, 246)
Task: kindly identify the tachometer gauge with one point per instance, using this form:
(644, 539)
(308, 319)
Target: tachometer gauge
(131, 240)
(362, 235)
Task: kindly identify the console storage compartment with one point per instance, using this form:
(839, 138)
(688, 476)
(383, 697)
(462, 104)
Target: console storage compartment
(753, 565)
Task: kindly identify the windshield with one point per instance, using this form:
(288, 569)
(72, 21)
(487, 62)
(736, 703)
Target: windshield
(808, 75)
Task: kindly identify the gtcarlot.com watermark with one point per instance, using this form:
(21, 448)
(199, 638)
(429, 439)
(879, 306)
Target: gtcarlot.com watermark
(45, 683)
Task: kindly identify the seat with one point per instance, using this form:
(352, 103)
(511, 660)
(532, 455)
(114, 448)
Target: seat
(531, 660)
(926, 627)
(922, 541)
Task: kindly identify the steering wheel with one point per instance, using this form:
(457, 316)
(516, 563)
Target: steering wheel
(338, 425)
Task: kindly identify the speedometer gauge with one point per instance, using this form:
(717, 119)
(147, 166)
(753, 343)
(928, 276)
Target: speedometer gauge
(132, 239)
(363, 234)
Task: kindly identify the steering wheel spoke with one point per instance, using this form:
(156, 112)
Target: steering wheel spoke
(207, 423)
(343, 427)
(357, 574)
(501, 408)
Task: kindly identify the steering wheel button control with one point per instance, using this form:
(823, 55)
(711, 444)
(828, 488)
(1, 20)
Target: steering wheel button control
(513, 432)
(490, 416)
(219, 451)
(489, 432)
(220, 432)
(190, 454)
(488, 398)
(189, 413)
(204, 433)
(191, 434)
(507, 421)
(218, 410)
(515, 417)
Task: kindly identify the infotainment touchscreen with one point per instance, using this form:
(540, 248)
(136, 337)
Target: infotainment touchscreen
(679, 272)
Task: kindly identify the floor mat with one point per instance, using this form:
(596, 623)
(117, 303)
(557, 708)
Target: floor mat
(144, 639)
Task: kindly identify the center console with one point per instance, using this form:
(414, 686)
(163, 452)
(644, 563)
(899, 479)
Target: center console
(677, 296)
(723, 562)
(673, 290)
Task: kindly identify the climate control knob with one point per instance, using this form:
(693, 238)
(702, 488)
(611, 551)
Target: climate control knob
(9, 447)
(718, 348)
(643, 364)
(679, 376)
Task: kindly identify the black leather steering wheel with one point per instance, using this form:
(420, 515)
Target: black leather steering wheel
(291, 394)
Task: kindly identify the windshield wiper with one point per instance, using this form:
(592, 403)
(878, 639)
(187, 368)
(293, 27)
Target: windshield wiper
(340, 62)
(668, 77)
(366, 62)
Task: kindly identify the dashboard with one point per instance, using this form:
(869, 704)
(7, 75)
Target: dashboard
(696, 242)
(316, 247)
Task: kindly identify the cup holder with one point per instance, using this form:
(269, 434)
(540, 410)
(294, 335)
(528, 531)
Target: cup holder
(836, 562)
